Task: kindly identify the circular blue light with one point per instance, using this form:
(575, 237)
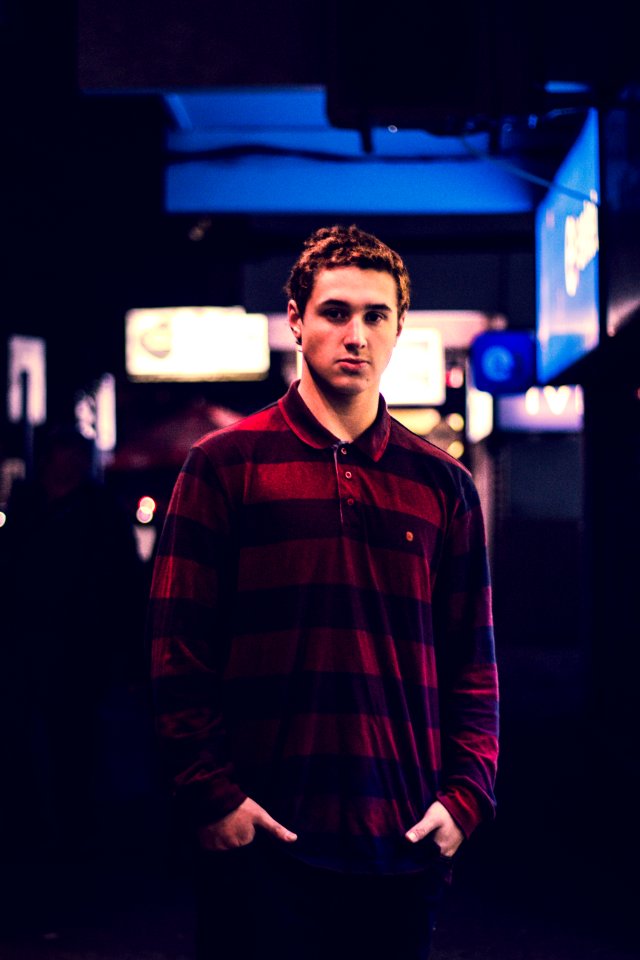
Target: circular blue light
(498, 364)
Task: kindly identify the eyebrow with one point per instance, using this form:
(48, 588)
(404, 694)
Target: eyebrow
(332, 302)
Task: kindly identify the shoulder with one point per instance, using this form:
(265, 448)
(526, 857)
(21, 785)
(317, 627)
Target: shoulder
(242, 435)
(418, 460)
(421, 450)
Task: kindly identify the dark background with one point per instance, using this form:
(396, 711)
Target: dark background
(85, 237)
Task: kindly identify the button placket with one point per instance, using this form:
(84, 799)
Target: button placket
(345, 478)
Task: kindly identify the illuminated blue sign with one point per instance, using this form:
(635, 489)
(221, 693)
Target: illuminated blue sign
(502, 361)
(567, 259)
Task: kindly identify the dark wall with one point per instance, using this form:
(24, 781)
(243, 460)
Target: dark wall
(421, 60)
(148, 44)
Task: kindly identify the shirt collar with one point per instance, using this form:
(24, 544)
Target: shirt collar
(373, 442)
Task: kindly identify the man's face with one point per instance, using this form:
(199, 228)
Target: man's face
(349, 329)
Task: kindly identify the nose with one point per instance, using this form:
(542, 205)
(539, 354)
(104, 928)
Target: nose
(354, 335)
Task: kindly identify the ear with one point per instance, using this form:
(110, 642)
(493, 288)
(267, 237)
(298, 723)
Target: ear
(295, 320)
(401, 320)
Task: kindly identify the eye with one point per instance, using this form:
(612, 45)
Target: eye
(335, 314)
(373, 317)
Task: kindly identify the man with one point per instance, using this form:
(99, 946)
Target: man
(322, 644)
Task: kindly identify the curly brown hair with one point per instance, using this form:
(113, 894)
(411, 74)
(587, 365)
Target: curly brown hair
(340, 246)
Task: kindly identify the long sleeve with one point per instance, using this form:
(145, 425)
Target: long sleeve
(189, 644)
(468, 681)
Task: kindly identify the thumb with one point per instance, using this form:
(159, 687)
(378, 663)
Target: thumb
(266, 822)
(419, 830)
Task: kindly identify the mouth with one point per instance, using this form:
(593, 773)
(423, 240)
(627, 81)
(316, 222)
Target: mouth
(355, 362)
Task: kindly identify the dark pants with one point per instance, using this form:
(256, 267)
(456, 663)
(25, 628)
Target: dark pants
(254, 903)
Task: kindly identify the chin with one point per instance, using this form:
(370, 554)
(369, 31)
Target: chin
(350, 388)
(343, 384)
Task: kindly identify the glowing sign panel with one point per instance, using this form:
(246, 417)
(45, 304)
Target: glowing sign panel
(27, 380)
(543, 409)
(581, 244)
(196, 344)
(416, 371)
(567, 259)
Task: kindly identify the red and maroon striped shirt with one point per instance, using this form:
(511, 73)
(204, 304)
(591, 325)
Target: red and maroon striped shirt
(321, 631)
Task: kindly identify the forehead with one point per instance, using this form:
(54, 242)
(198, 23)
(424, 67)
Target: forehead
(354, 285)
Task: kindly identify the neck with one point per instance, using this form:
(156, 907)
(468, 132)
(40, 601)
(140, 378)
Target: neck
(345, 416)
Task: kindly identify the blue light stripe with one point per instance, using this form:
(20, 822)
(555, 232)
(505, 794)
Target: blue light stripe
(289, 184)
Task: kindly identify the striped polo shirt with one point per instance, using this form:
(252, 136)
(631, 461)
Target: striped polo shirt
(321, 633)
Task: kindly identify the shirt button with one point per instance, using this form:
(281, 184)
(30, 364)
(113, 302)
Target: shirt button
(350, 501)
(343, 451)
(348, 474)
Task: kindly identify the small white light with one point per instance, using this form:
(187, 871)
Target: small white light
(146, 509)
(455, 377)
(144, 516)
(456, 449)
(456, 422)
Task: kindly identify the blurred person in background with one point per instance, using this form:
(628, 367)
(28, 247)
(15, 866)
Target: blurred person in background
(322, 647)
(74, 602)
